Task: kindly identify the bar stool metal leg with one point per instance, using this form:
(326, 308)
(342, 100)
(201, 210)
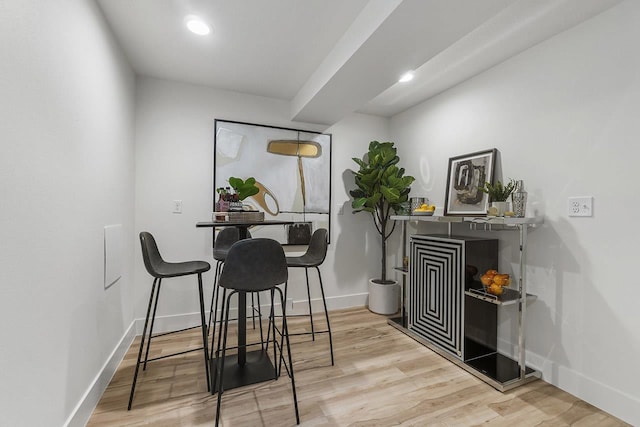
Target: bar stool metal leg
(220, 357)
(313, 333)
(205, 332)
(326, 315)
(285, 332)
(153, 320)
(144, 332)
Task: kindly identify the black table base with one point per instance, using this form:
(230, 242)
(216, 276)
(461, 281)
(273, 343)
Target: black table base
(257, 369)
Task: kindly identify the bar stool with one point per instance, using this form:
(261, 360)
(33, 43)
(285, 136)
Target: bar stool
(251, 266)
(223, 242)
(313, 258)
(160, 269)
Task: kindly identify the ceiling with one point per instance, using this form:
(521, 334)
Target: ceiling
(330, 58)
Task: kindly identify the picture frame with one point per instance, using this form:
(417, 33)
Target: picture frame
(466, 174)
(292, 169)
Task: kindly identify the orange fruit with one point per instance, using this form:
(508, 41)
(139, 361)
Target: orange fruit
(501, 279)
(495, 289)
(486, 280)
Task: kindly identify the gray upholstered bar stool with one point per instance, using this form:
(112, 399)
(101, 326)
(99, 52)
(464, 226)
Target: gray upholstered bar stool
(160, 269)
(313, 258)
(222, 243)
(251, 266)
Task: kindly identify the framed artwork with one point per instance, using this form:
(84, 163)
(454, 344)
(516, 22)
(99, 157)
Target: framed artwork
(292, 168)
(465, 176)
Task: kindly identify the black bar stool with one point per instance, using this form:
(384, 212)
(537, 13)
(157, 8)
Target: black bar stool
(160, 269)
(251, 266)
(222, 243)
(313, 258)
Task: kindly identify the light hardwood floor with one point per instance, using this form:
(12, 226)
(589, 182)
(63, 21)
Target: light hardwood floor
(381, 378)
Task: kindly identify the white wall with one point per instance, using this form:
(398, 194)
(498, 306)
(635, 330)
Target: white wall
(66, 171)
(564, 116)
(174, 161)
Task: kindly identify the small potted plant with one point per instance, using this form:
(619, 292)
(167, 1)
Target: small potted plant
(233, 200)
(498, 195)
(382, 189)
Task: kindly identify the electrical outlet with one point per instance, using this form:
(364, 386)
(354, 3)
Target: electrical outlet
(177, 206)
(580, 206)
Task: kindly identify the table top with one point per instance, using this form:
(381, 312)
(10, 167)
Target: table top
(242, 223)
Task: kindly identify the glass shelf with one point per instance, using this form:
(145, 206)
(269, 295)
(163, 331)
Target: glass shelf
(509, 296)
(489, 220)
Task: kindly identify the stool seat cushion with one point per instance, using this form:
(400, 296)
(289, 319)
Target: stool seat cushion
(305, 260)
(315, 254)
(176, 269)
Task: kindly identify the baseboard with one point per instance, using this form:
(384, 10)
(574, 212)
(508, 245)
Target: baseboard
(83, 410)
(602, 396)
(333, 303)
(181, 321)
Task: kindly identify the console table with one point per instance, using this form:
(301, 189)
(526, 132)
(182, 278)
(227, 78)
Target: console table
(470, 341)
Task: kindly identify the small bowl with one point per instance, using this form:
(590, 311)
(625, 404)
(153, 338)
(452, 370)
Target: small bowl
(419, 213)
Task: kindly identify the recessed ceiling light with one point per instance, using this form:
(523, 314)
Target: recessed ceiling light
(198, 26)
(406, 77)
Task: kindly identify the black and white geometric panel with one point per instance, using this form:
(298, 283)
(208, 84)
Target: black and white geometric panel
(436, 289)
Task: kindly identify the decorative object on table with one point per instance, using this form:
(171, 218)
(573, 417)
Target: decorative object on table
(404, 208)
(231, 200)
(519, 200)
(417, 202)
(299, 233)
(224, 196)
(244, 189)
(465, 177)
(292, 168)
(240, 216)
(493, 281)
(499, 194)
(424, 209)
(382, 187)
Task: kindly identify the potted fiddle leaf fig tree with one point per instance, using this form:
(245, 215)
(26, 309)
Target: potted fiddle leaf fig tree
(382, 189)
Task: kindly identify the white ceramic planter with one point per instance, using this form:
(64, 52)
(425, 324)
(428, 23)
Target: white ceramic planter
(501, 207)
(384, 299)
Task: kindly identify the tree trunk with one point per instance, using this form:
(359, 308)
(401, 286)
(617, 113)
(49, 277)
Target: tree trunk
(383, 227)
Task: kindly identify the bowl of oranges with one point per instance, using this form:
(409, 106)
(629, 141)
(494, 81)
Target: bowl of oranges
(494, 282)
(424, 209)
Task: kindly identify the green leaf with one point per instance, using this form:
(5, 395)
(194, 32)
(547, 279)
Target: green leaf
(243, 188)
